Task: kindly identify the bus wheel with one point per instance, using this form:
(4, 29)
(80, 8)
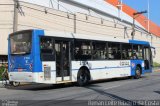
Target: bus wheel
(15, 84)
(137, 73)
(83, 77)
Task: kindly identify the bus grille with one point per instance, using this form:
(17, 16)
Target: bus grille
(47, 73)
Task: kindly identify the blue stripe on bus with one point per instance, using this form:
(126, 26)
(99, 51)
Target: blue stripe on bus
(139, 42)
(37, 65)
(104, 68)
(134, 64)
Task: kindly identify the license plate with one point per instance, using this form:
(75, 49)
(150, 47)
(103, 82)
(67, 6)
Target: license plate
(20, 70)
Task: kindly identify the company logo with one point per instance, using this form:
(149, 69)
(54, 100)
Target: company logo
(133, 64)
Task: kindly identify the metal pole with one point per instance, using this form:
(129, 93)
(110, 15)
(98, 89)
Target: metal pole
(125, 30)
(51, 3)
(148, 16)
(133, 29)
(58, 4)
(15, 18)
(121, 9)
(75, 23)
(135, 15)
(151, 39)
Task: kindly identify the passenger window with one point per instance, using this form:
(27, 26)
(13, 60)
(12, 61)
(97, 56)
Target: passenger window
(126, 51)
(114, 51)
(99, 51)
(82, 50)
(137, 52)
(47, 50)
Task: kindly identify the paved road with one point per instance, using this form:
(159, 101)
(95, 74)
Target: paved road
(124, 90)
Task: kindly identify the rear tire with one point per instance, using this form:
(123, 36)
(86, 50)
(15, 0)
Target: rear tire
(15, 84)
(137, 73)
(83, 77)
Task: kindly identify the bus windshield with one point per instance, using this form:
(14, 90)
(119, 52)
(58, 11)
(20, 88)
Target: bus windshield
(20, 43)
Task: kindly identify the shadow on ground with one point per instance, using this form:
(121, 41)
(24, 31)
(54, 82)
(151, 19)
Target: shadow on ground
(38, 87)
(157, 92)
(117, 99)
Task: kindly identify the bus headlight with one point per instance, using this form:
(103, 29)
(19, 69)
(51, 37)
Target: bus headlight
(30, 67)
(10, 65)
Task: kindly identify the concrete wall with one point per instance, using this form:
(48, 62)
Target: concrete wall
(6, 23)
(52, 20)
(33, 16)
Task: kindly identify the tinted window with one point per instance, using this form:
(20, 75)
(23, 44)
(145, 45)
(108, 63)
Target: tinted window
(137, 52)
(114, 51)
(21, 43)
(82, 50)
(126, 51)
(99, 51)
(47, 49)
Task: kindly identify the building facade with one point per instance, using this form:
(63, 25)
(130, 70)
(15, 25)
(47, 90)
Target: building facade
(93, 17)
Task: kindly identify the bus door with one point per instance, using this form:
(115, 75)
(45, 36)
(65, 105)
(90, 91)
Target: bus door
(147, 58)
(62, 49)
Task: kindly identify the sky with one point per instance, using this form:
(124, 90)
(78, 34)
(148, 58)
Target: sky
(141, 5)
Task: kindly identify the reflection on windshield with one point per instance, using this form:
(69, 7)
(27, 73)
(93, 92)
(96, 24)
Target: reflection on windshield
(20, 43)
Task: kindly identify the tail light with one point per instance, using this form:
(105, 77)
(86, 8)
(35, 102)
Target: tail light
(10, 68)
(30, 67)
(10, 65)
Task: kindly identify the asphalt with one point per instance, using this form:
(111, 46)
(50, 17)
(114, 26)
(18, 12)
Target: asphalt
(123, 91)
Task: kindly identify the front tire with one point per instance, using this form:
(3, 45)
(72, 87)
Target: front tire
(137, 73)
(83, 77)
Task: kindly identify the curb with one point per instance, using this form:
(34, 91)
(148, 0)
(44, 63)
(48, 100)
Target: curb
(21, 84)
(1, 81)
(1, 86)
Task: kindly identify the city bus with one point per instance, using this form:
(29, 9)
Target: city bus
(49, 57)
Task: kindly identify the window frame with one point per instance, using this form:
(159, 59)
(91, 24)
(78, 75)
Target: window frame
(51, 57)
(82, 40)
(129, 56)
(142, 57)
(104, 50)
(17, 33)
(120, 50)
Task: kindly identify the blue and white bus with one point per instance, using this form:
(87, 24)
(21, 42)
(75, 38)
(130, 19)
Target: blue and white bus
(48, 57)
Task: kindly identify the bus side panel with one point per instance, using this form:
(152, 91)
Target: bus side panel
(103, 69)
(49, 72)
(134, 64)
(37, 64)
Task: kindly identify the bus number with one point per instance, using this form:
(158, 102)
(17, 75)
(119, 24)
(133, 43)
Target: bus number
(124, 63)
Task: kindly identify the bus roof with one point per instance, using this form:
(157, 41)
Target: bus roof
(85, 36)
(139, 42)
(94, 37)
